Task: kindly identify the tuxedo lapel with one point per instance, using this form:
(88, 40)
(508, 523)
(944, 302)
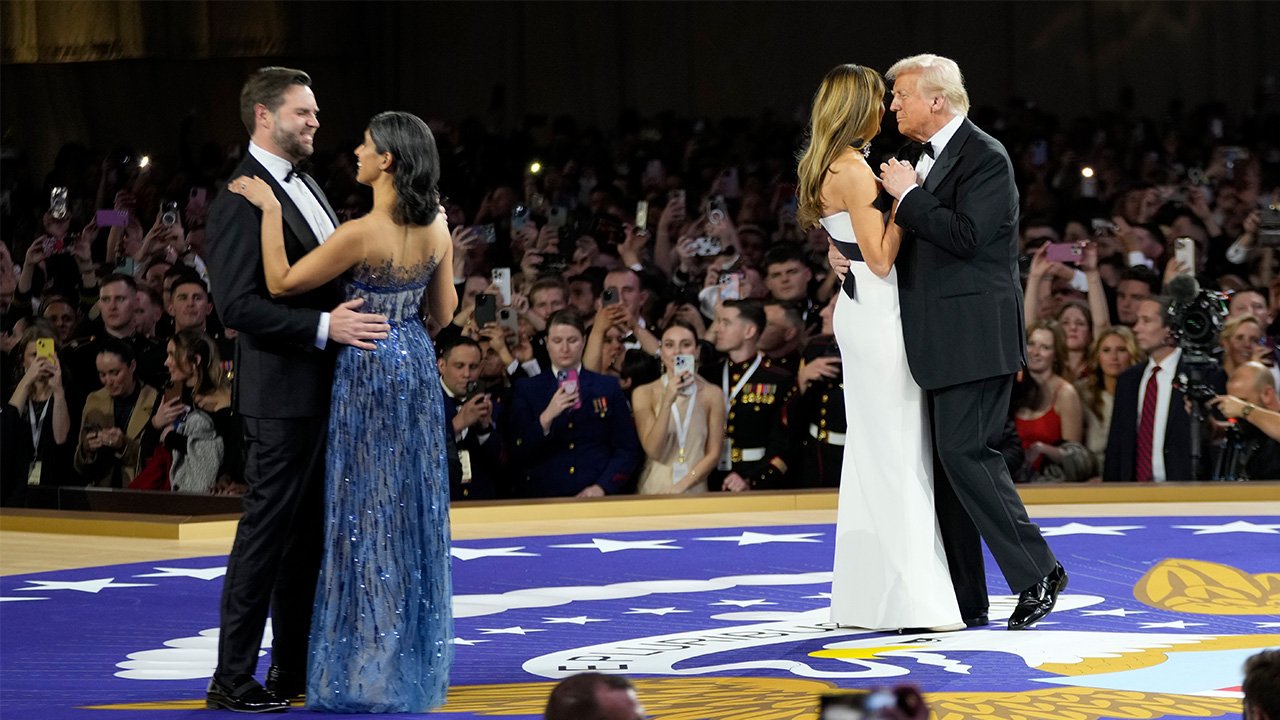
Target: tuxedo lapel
(292, 216)
(949, 157)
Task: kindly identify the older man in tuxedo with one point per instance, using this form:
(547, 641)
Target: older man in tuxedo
(961, 301)
(284, 371)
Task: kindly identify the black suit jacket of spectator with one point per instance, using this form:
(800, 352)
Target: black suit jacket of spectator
(279, 371)
(1121, 459)
(960, 290)
(486, 456)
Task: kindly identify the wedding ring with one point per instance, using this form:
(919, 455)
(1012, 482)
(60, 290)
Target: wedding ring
(244, 185)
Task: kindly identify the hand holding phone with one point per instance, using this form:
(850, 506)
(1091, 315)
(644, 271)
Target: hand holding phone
(44, 349)
(1063, 252)
(568, 380)
(111, 218)
(486, 309)
(1184, 251)
(683, 367)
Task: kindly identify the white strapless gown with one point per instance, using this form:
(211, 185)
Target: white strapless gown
(890, 568)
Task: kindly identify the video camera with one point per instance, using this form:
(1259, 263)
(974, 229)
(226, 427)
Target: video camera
(1195, 319)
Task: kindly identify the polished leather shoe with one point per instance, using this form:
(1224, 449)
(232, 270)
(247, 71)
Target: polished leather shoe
(246, 697)
(977, 621)
(284, 684)
(1036, 601)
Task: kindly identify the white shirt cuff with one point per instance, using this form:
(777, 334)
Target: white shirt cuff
(322, 331)
(531, 367)
(903, 196)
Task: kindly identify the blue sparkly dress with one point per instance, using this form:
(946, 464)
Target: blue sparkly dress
(382, 631)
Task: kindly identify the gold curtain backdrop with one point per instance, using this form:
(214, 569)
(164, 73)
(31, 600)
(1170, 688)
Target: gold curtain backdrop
(68, 31)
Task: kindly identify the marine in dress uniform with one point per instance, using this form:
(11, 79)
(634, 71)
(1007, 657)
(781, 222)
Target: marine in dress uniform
(757, 442)
(818, 423)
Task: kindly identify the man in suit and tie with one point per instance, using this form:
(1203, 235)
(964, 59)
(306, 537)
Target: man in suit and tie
(1150, 435)
(961, 301)
(284, 369)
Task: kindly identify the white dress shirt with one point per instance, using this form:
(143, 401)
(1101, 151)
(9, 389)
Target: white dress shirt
(308, 204)
(1164, 381)
(939, 142)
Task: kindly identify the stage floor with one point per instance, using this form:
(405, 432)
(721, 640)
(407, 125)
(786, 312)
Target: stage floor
(714, 615)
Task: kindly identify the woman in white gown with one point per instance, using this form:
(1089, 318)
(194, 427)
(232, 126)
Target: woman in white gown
(890, 567)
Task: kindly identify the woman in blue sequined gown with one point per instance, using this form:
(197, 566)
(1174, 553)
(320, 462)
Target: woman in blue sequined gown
(382, 630)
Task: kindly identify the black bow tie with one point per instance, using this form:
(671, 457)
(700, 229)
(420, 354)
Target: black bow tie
(295, 171)
(919, 148)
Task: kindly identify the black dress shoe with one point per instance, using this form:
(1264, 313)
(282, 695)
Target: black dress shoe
(245, 697)
(1036, 601)
(284, 684)
(977, 621)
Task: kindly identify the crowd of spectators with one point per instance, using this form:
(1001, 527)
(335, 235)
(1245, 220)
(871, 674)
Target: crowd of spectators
(641, 311)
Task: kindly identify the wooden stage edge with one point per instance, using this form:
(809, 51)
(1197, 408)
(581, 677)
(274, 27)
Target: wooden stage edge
(213, 527)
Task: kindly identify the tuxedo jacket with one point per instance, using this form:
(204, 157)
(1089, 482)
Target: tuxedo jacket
(485, 452)
(1121, 459)
(595, 444)
(958, 283)
(279, 371)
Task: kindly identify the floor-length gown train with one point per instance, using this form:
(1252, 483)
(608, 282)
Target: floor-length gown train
(382, 631)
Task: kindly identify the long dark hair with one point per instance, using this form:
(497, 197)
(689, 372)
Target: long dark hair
(198, 352)
(415, 165)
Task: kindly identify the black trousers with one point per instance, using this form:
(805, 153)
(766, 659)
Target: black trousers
(275, 559)
(975, 497)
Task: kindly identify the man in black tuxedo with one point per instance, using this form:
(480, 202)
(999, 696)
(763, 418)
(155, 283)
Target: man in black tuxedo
(284, 370)
(961, 302)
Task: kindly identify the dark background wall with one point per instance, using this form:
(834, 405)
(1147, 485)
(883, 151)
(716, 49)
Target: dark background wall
(157, 63)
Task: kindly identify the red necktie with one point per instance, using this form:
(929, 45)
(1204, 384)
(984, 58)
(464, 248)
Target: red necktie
(1147, 427)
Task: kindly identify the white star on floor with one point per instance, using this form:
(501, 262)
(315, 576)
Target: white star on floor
(757, 538)
(1239, 526)
(86, 586)
(1118, 612)
(744, 603)
(1075, 528)
(460, 641)
(653, 611)
(580, 620)
(1175, 624)
(605, 545)
(474, 553)
(819, 596)
(517, 630)
(1261, 624)
(21, 599)
(197, 573)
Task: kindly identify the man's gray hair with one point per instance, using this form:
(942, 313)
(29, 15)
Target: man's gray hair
(937, 75)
